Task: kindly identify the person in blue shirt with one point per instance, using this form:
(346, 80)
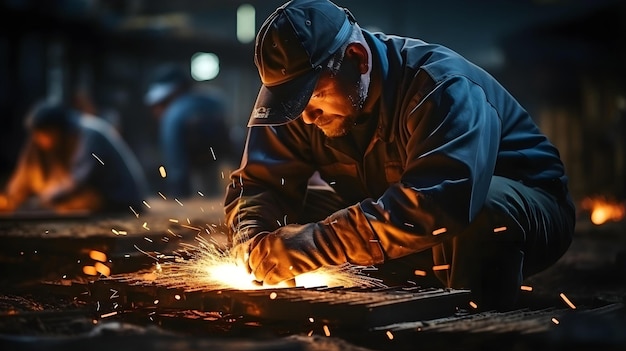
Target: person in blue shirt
(427, 163)
(73, 162)
(194, 135)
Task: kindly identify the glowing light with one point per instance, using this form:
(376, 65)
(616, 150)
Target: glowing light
(311, 319)
(555, 321)
(110, 314)
(134, 212)
(204, 66)
(441, 267)
(102, 269)
(246, 23)
(212, 153)
(603, 210)
(97, 158)
(440, 231)
(526, 288)
(98, 256)
(389, 335)
(326, 330)
(90, 270)
(177, 297)
(420, 273)
(567, 301)
(213, 267)
(473, 304)
(118, 232)
(273, 296)
(162, 172)
(499, 229)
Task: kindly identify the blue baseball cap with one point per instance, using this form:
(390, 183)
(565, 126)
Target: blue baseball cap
(291, 49)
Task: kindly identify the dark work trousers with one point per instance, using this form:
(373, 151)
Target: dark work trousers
(520, 231)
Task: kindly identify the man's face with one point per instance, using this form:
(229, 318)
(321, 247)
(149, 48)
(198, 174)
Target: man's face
(337, 100)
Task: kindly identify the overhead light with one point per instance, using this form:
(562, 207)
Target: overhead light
(246, 25)
(204, 66)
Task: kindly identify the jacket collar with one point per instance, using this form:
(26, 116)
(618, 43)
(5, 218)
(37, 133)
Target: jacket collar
(380, 58)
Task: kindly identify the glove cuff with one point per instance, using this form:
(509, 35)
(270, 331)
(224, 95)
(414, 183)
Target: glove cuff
(360, 243)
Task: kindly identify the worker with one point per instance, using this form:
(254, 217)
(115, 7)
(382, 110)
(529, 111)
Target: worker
(193, 133)
(73, 162)
(430, 165)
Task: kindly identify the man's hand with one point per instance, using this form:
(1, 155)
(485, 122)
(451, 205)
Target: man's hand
(289, 251)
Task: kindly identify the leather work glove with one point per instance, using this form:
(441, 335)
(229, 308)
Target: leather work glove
(345, 236)
(291, 250)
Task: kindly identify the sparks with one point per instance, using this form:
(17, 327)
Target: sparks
(473, 304)
(273, 296)
(97, 256)
(146, 204)
(114, 295)
(145, 226)
(134, 212)
(555, 321)
(499, 229)
(173, 220)
(213, 267)
(212, 153)
(440, 231)
(420, 273)
(102, 269)
(97, 158)
(191, 227)
(110, 314)
(326, 330)
(441, 267)
(567, 301)
(163, 196)
(162, 172)
(178, 201)
(90, 270)
(526, 288)
(389, 335)
(200, 193)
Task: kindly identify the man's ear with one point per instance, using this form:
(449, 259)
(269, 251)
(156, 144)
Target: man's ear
(359, 54)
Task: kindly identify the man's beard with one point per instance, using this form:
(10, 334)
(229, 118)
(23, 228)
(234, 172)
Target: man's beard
(347, 122)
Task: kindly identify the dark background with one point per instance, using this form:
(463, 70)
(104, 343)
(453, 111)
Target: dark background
(563, 59)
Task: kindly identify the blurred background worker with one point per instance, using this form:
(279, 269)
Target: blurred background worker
(193, 132)
(73, 161)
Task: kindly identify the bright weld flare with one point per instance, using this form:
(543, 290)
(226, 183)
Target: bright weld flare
(211, 267)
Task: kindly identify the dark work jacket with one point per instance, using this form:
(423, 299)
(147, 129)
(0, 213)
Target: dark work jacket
(445, 127)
